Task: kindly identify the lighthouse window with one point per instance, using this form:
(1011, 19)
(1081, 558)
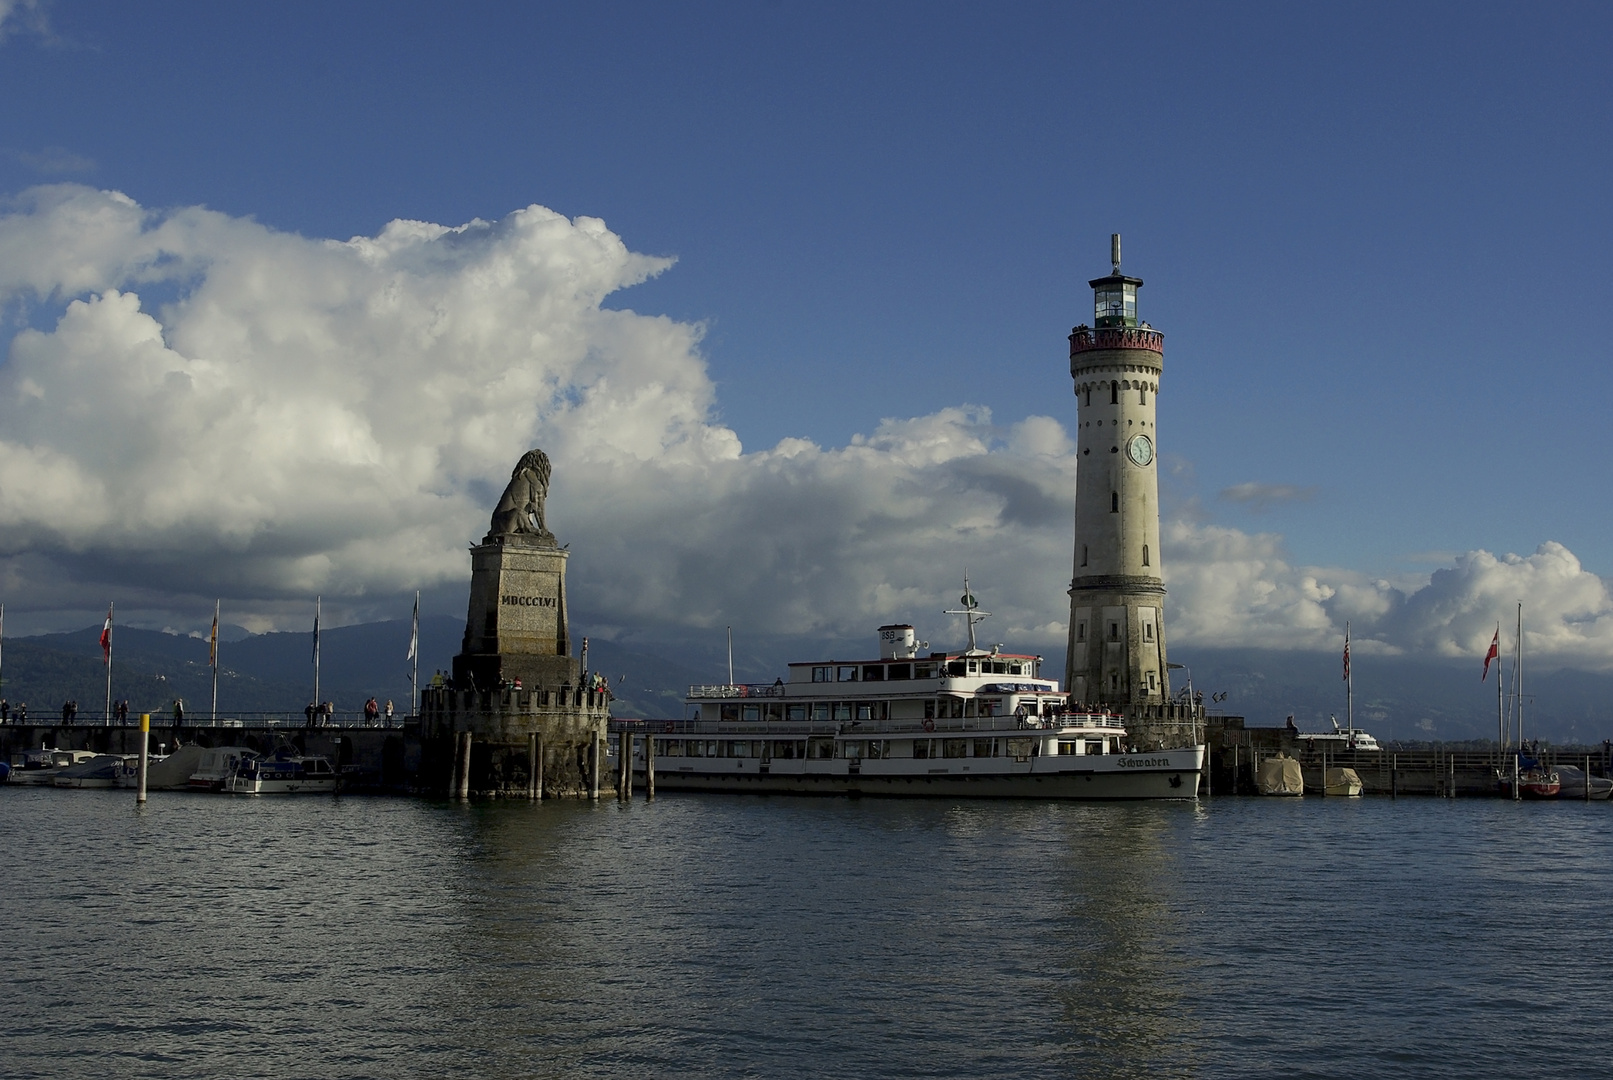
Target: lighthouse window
(1145, 554)
(1080, 631)
(1114, 682)
(1114, 631)
(1114, 393)
(1114, 502)
(1142, 395)
(1150, 680)
(1148, 631)
(1083, 554)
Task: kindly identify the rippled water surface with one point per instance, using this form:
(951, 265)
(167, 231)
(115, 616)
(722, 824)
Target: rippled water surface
(718, 936)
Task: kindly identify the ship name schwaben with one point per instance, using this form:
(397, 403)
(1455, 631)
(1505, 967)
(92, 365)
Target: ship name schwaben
(1144, 763)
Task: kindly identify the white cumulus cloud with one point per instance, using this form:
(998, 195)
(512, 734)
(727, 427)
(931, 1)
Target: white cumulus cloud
(196, 405)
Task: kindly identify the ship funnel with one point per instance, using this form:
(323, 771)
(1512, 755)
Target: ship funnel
(897, 642)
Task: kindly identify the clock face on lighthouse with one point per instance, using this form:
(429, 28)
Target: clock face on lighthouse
(1140, 450)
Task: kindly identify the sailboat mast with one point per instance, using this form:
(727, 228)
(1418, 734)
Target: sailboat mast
(1500, 718)
(1517, 678)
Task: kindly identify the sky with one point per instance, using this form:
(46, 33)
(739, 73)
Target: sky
(783, 288)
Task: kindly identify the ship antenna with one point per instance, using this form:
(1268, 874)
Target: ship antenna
(1114, 251)
(971, 610)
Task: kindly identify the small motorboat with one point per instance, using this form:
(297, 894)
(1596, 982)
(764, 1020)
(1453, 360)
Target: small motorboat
(1540, 782)
(1572, 780)
(283, 774)
(1344, 782)
(40, 767)
(217, 765)
(1280, 775)
(100, 771)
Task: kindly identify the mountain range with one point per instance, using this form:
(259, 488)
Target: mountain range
(1396, 698)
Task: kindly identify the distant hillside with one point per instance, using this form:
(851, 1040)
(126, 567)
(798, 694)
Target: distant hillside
(1396, 698)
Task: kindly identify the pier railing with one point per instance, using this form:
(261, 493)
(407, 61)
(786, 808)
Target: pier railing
(337, 720)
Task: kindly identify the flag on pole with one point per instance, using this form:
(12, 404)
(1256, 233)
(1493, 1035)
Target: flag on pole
(1495, 651)
(106, 637)
(414, 632)
(1346, 655)
(316, 632)
(212, 643)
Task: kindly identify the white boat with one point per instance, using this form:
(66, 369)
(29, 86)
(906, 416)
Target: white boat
(40, 767)
(1571, 780)
(283, 775)
(217, 765)
(100, 771)
(972, 724)
(1340, 738)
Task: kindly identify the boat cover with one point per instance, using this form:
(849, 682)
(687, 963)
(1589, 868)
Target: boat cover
(1342, 781)
(173, 772)
(1280, 775)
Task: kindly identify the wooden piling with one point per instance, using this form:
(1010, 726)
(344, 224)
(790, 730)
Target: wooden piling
(594, 765)
(538, 773)
(624, 751)
(453, 773)
(1587, 778)
(649, 768)
(462, 781)
(1394, 776)
(532, 766)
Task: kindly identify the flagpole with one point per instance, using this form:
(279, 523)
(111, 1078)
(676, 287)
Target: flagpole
(1349, 682)
(1500, 719)
(109, 665)
(2, 648)
(414, 654)
(215, 659)
(316, 653)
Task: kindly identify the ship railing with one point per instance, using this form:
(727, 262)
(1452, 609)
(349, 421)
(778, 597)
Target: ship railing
(737, 690)
(960, 727)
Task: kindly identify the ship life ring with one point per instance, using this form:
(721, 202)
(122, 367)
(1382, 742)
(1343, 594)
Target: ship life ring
(929, 725)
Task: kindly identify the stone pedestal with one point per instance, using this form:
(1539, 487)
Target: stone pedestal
(516, 626)
(501, 724)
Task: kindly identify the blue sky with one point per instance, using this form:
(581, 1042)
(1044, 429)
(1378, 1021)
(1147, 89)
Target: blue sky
(1375, 236)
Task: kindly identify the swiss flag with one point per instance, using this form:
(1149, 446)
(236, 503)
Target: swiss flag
(1495, 651)
(106, 637)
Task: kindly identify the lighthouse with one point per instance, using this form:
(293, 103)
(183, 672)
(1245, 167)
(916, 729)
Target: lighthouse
(1116, 655)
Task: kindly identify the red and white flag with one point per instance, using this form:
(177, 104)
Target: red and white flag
(1495, 651)
(1346, 655)
(106, 637)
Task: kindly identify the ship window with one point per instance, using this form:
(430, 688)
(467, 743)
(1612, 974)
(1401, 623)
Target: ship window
(1016, 669)
(969, 707)
(842, 710)
(820, 710)
(956, 669)
(819, 749)
(876, 748)
(957, 708)
(784, 749)
(982, 747)
(775, 711)
(1114, 502)
(1067, 748)
(1145, 554)
(974, 667)
(865, 711)
(923, 671)
(852, 749)
(1095, 747)
(821, 674)
(900, 671)
(752, 712)
(874, 673)
(795, 712)
(846, 674)
(921, 748)
(929, 709)
(1114, 631)
(954, 748)
(730, 712)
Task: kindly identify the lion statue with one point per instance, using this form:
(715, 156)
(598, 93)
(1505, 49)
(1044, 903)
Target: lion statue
(520, 509)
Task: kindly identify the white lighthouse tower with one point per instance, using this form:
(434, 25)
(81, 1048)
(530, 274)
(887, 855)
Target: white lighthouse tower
(1116, 652)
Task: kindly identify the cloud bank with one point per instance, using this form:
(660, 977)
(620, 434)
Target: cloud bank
(195, 405)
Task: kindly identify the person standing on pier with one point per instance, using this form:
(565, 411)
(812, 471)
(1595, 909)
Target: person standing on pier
(388, 712)
(179, 712)
(5, 710)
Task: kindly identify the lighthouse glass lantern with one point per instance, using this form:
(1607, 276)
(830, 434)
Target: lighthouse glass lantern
(1115, 301)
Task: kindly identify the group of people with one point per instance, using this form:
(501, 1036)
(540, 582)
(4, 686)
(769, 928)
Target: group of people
(5, 712)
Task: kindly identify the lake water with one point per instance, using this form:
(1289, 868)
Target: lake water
(711, 936)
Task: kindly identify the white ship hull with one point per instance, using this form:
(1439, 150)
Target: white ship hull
(1167, 774)
(240, 785)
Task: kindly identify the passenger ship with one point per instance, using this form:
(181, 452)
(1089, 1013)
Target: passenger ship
(974, 724)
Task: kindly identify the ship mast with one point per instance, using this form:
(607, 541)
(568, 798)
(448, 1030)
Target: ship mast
(971, 609)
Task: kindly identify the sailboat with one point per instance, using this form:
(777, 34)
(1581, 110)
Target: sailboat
(1530, 779)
